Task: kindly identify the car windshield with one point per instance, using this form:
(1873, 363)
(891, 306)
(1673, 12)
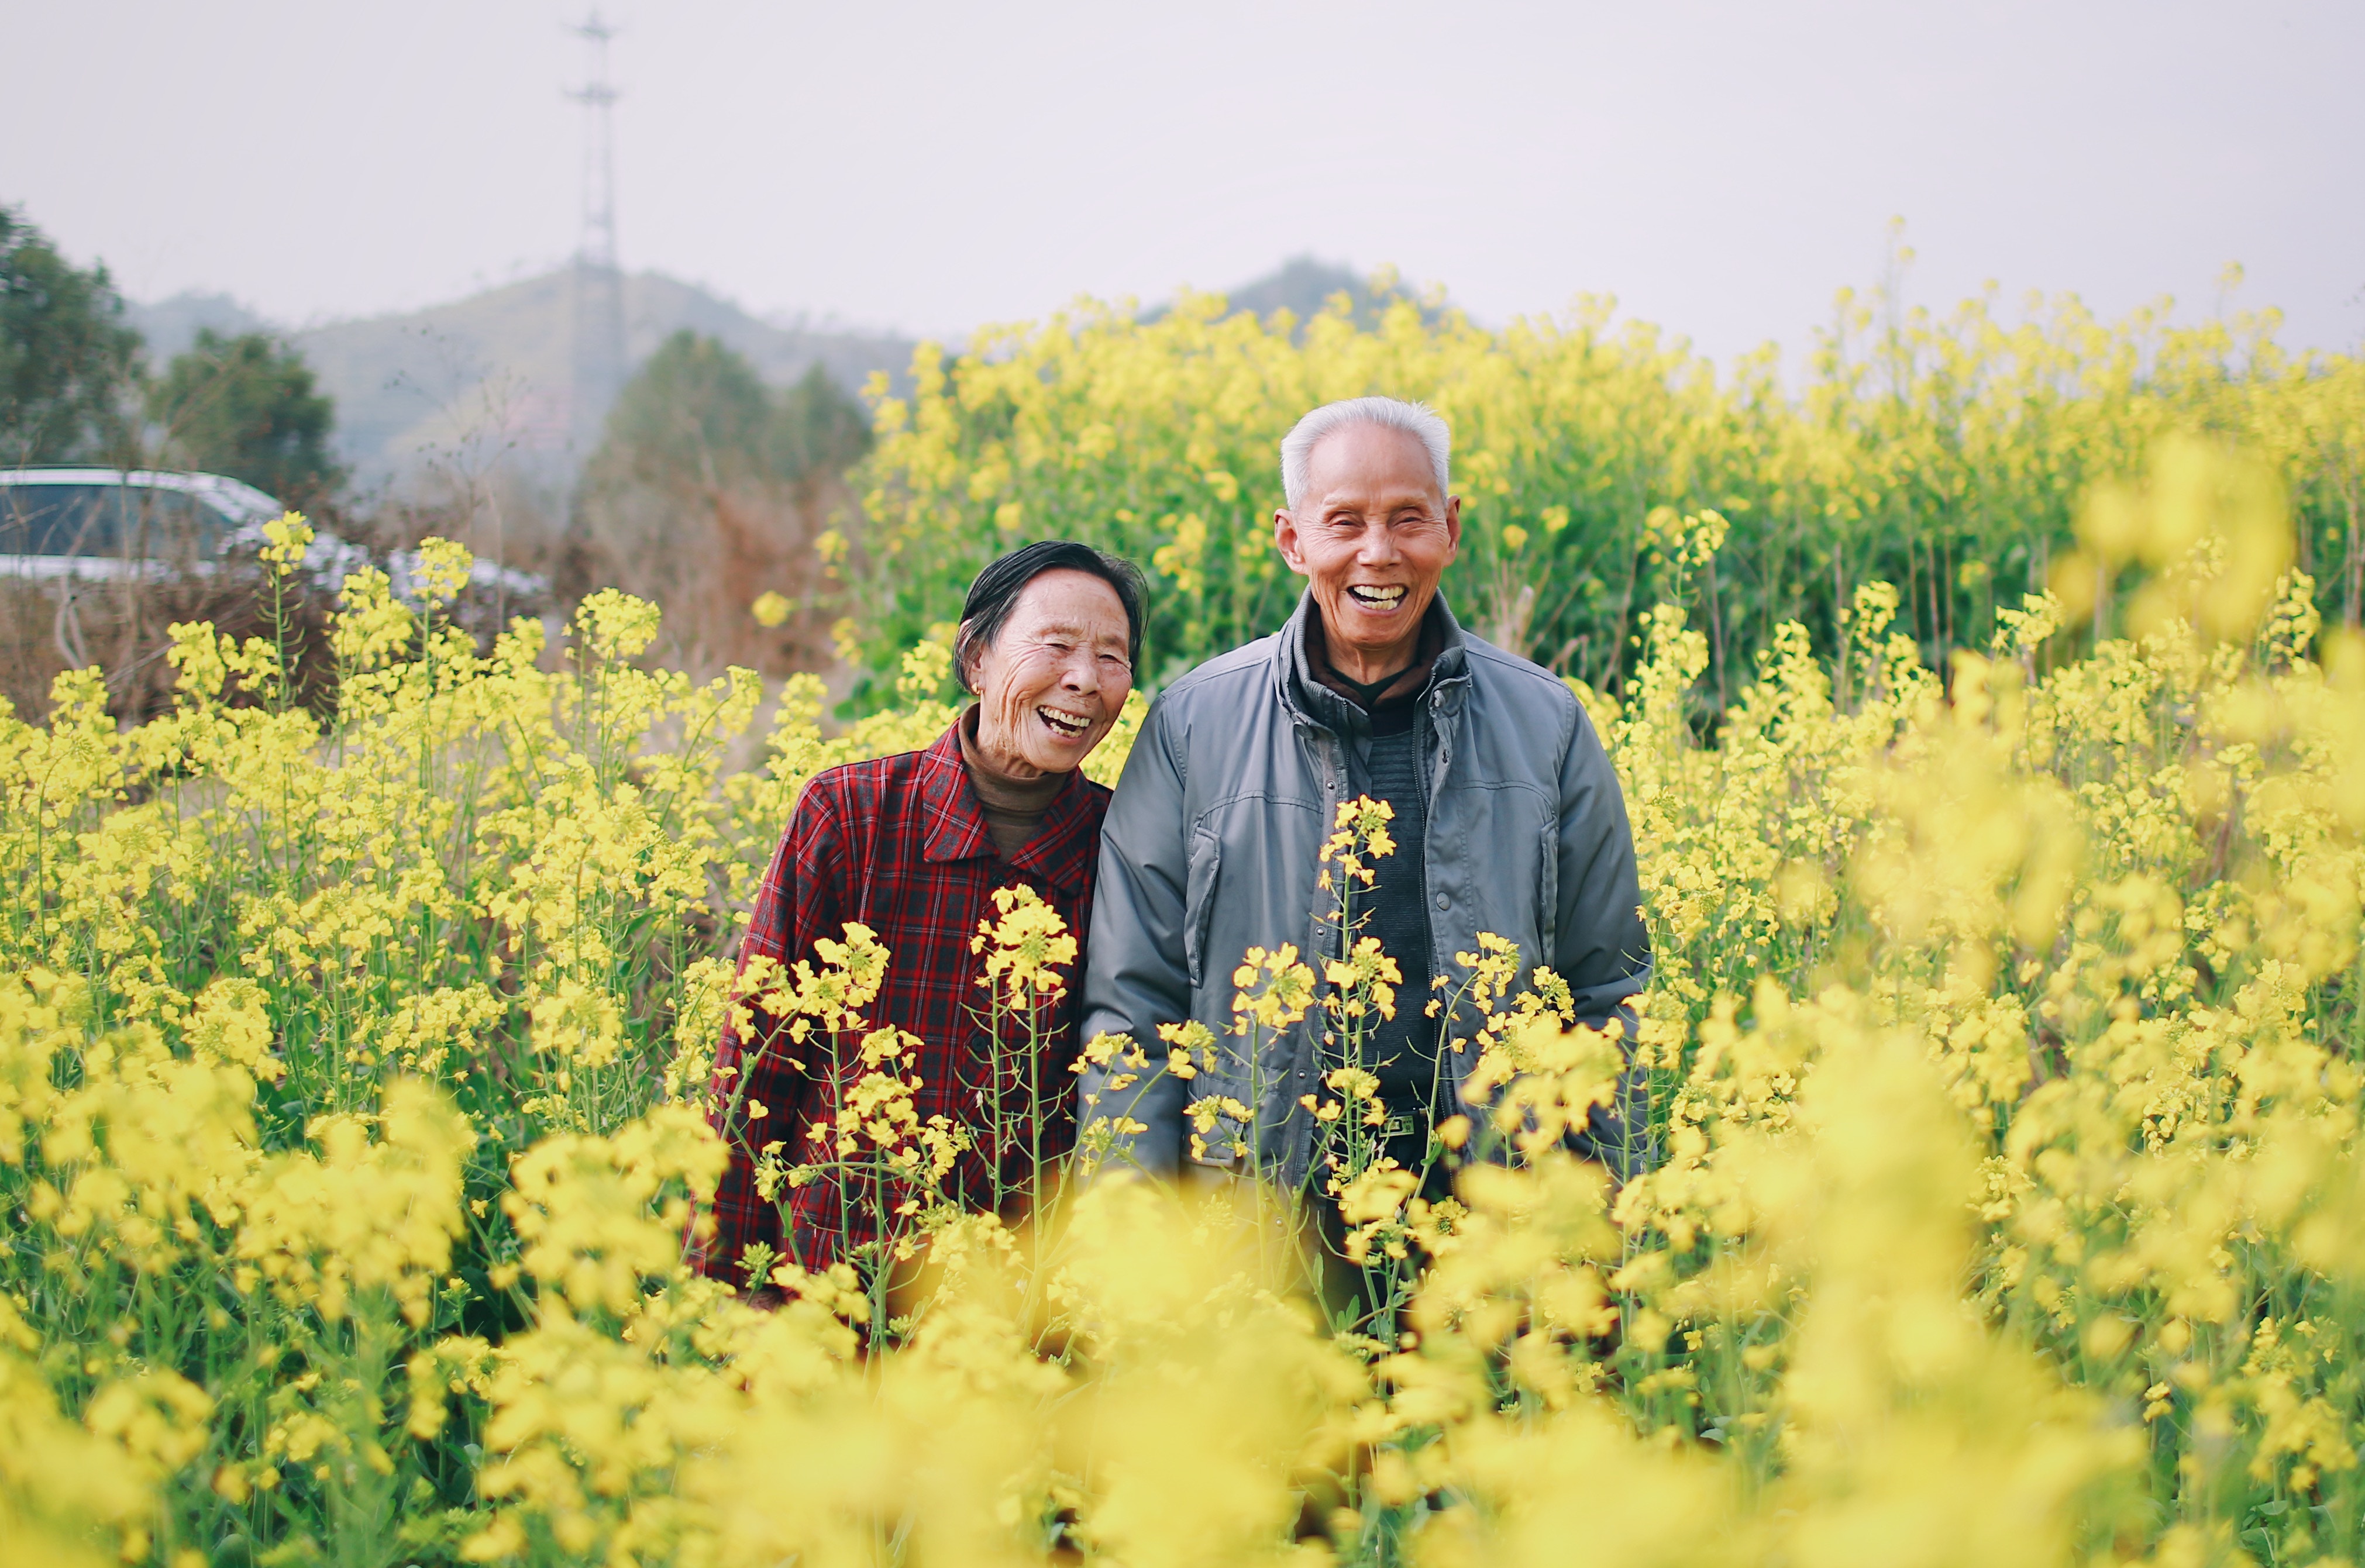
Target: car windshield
(135, 521)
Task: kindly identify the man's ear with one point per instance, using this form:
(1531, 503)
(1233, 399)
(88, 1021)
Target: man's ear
(1453, 528)
(1284, 536)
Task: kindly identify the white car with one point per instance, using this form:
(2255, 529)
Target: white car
(109, 524)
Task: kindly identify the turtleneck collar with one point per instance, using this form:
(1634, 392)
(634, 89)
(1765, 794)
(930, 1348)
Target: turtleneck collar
(1014, 807)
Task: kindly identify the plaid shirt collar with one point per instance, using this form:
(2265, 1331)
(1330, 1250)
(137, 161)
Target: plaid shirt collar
(1062, 852)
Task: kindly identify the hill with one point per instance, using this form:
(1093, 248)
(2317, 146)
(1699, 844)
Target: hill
(171, 326)
(493, 370)
(1304, 286)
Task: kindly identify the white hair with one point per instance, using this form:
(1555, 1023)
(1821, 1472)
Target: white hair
(1414, 419)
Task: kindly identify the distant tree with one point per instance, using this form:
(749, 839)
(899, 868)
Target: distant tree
(697, 413)
(709, 489)
(68, 364)
(248, 407)
(818, 428)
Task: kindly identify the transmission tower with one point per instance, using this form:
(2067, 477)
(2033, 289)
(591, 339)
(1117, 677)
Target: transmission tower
(598, 291)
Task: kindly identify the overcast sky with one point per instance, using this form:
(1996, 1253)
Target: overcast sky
(1721, 166)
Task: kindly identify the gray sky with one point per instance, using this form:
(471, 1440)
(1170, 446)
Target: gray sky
(1721, 166)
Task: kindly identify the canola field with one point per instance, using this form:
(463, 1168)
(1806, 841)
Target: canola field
(1946, 453)
(2002, 1055)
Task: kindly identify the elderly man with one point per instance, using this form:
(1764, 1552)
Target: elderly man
(1507, 818)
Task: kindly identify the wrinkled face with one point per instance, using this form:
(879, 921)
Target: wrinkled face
(1371, 535)
(1050, 685)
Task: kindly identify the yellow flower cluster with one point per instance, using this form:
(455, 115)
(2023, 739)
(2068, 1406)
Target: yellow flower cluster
(1025, 951)
(1999, 1068)
(1944, 451)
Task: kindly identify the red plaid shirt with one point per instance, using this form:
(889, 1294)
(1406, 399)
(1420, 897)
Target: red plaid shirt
(899, 845)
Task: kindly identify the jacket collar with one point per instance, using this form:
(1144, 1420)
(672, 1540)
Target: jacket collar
(1062, 853)
(1307, 700)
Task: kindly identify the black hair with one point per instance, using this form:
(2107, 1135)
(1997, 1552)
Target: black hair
(997, 588)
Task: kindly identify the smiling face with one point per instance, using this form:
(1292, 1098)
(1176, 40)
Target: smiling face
(1371, 536)
(1050, 684)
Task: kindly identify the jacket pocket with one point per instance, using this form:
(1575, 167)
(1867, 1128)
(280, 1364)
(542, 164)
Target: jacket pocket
(1547, 899)
(1199, 901)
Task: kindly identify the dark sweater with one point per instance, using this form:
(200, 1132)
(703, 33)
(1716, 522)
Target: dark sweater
(1391, 763)
(1387, 746)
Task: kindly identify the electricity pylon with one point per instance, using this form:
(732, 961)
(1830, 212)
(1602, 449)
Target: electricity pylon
(597, 296)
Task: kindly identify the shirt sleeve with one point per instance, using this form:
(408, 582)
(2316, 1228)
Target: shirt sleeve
(798, 902)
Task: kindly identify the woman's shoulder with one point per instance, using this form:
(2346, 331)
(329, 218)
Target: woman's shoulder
(866, 790)
(870, 773)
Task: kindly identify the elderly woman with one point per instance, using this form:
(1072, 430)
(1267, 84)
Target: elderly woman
(915, 847)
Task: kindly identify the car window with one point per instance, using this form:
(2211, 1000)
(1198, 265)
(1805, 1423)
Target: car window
(60, 520)
(162, 525)
(137, 522)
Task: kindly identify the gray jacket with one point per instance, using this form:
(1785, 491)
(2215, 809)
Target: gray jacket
(1212, 842)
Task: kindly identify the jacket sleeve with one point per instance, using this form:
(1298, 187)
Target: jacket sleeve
(1135, 974)
(797, 902)
(1603, 949)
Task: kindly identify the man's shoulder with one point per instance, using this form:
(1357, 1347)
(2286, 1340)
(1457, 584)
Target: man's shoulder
(1226, 676)
(1508, 677)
